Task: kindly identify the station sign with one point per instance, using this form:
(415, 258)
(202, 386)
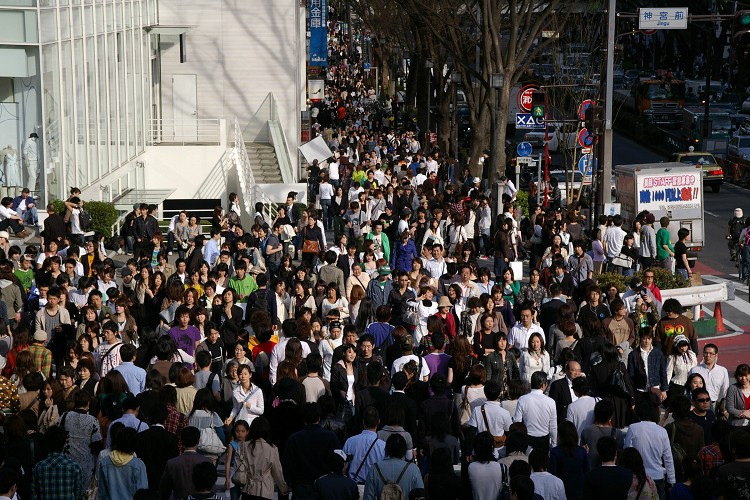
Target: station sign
(662, 18)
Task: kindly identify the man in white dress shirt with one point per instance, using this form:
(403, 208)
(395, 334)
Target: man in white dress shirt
(652, 442)
(538, 413)
(521, 331)
(490, 416)
(715, 375)
(546, 485)
(581, 411)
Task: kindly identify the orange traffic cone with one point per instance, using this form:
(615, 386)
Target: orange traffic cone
(719, 318)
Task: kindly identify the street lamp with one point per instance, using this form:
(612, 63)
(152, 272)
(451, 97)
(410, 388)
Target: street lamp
(456, 81)
(497, 80)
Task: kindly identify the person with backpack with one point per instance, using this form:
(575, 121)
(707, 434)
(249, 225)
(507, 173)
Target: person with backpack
(393, 478)
(734, 228)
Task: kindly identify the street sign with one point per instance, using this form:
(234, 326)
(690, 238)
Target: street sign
(537, 111)
(583, 107)
(523, 149)
(663, 18)
(585, 138)
(526, 120)
(525, 160)
(523, 98)
(583, 164)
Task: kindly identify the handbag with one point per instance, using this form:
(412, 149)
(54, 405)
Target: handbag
(622, 260)
(465, 413)
(210, 443)
(497, 441)
(310, 246)
(411, 316)
(616, 385)
(239, 478)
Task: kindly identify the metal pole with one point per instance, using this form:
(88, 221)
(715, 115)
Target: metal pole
(454, 149)
(707, 94)
(494, 147)
(606, 152)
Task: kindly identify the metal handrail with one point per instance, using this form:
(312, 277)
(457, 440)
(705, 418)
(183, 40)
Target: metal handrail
(280, 144)
(168, 131)
(251, 192)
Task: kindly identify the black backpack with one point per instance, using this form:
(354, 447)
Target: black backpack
(84, 220)
(259, 300)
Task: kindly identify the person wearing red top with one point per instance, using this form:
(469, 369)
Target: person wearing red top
(447, 317)
(648, 282)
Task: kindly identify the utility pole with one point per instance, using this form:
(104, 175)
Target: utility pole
(606, 150)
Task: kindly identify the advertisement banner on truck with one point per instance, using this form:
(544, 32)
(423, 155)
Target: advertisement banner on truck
(669, 192)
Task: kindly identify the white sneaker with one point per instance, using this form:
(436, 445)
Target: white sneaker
(169, 253)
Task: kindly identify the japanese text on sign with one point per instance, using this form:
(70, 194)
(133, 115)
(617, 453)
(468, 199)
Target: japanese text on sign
(663, 18)
(669, 192)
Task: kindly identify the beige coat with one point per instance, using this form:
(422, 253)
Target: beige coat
(263, 468)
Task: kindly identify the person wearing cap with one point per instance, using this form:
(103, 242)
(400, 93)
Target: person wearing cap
(328, 345)
(734, 227)
(25, 206)
(378, 290)
(647, 250)
(41, 356)
(679, 363)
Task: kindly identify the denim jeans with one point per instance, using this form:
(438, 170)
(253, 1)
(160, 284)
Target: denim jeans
(682, 272)
(30, 217)
(326, 205)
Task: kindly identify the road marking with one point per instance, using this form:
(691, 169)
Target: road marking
(709, 213)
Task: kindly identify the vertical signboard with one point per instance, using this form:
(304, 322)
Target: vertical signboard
(318, 13)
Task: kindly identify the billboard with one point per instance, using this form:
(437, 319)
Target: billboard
(668, 192)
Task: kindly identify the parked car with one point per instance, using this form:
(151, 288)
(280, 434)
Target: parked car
(739, 147)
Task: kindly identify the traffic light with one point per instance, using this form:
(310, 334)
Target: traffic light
(594, 118)
(538, 102)
(741, 28)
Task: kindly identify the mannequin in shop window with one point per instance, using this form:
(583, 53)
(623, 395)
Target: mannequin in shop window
(11, 166)
(31, 160)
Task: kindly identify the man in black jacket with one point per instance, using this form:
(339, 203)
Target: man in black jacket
(562, 390)
(346, 261)
(156, 445)
(301, 462)
(607, 480)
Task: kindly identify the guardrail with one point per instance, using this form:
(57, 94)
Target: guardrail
(279, 142)
(251, 193)
(696, 296)
(170, 132)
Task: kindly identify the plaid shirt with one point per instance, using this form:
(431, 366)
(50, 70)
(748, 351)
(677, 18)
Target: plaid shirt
(711, 457)
(8, 395)
(175, 422)
(42, 358)
(57, 477)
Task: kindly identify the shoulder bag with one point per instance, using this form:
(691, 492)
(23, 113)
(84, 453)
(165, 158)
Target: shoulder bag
(465, 413)
(209, 441)
(309, 246)
(497, 441)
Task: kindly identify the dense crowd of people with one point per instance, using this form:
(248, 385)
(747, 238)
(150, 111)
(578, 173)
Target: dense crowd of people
(377, 343)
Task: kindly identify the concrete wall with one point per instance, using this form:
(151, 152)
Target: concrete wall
(239, 50)
(195, 171)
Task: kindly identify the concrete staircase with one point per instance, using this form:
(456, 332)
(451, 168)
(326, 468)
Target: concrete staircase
(264, 163)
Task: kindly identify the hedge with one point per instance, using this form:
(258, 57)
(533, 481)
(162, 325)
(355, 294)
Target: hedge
(663, 278)
(103, 215)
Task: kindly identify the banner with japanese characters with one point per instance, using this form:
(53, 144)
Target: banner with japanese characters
(318, 13)
(669, 192)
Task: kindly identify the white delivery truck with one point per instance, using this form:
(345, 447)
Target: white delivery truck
(674, 190)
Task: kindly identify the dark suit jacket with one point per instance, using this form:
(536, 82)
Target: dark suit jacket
(302, 455)
(155, 446)
(560, 392)
(547, 318)
(177, 480)
(411, 412)
(343, 264)
(607, 482)
(231, 328)
(371, 396)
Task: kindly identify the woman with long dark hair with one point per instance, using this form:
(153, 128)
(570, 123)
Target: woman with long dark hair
(501, 365)
(203, 415)
(568, 460)
(643, 486)
(601, 373)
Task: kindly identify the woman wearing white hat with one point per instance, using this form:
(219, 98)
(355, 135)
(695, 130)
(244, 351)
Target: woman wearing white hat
(679, 364)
